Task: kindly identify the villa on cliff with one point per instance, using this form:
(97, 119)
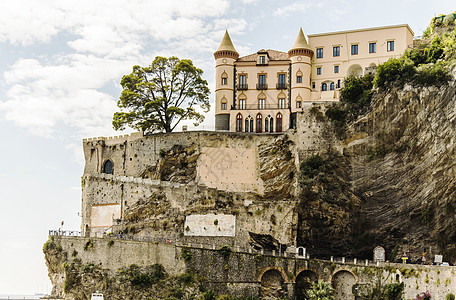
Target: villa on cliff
(261, 92)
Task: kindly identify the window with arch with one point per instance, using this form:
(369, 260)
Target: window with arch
(279, 122)
(324, 87)
(223, 105)
(108, 167)
(224, 78)
(331, 86)
(269, 124)
(299, 76)
(249, 124)
(239, 123)
(259, 123)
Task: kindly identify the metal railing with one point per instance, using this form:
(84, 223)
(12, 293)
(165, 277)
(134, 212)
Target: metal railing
(281, 86)
(64, 232)
(261, 107)
(242, 87)
(261, 86)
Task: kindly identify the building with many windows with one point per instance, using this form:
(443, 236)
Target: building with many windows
(262, 92)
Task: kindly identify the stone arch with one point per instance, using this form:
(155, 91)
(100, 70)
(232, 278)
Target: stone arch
(355, 70)
(303, 282)
(342, 281)
(273, 283)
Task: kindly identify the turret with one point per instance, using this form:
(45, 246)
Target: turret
(301, 67)
(225, 56)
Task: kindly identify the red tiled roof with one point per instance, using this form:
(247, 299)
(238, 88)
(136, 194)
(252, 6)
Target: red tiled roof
(273, 55)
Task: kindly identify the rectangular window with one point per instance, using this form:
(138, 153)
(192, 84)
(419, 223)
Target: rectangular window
(336, 69)
(281, 103)
(241, 103)
(390, 46)
(261, 103)
(242, 82)
(319, 52)
(224, 81)
(298, 104)
(262, 81)
(354, 49)
(223, 105)
(262, 60)
(319, 71)
(298, 79)
(372, 47)
(313, 85)
(336, 51)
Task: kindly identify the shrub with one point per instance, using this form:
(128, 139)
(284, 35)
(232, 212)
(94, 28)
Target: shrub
(186, 255)
(450, 297)
(225, 251)
(423, 296)
(321, 291)
(88, 245)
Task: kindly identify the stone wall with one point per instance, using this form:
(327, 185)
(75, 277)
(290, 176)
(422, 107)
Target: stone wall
(243, 273)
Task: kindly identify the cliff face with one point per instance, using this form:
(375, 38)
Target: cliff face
(403, 168)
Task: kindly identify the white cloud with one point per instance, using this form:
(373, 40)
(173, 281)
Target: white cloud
(105, 39)
(3, 175)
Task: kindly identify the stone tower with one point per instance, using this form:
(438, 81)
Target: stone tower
(301, 67)
(225, 56)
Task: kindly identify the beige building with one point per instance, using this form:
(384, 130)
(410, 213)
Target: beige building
(262, 92)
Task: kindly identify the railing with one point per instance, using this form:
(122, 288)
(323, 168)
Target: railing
(262, 86)
(64, 232)
(242, 87)
(262, 107)
(180, 243)
(281, 86)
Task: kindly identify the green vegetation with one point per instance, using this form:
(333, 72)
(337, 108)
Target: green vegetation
(186, 255)
(355, 99)
(159, 96)
(450, 297)
(110, 243)
(392, 291)
(88, 245)
(225, 251)
(142, 278)
(321, 291)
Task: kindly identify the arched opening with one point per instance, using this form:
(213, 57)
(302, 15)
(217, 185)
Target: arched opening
(331, 86)
(343, 282)
(249, 124)
(239, 123)
(279, 122)
(224, 78)
(269, 124)
(259, 123)
(304, 282)
(324, 87)
(272, 285)
(108, 167)
(355, 70)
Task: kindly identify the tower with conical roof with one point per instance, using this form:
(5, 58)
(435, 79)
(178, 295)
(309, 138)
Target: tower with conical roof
(301, 67)
(225, 56)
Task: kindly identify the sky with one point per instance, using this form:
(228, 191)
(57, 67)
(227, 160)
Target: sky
(61, 63)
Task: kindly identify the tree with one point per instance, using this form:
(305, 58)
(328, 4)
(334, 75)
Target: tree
(158, 97)
(321, 291)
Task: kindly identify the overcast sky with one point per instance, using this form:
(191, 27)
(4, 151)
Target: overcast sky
(60, 67)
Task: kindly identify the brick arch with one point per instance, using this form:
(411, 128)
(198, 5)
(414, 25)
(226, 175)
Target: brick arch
(284, 275)
(305, 269)
(343, 285)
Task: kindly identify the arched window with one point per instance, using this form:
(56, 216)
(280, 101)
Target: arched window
(269, 124)
(259, 123)
(331, 86)
(249, 124)
(279, 122)
(324, 87)
(108, 167)
(239, 123)
(224, 78)
(223, 103)
(242, 101)
(299, 101)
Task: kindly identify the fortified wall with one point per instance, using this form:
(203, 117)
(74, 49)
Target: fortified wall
(236, 189)
(237, 272)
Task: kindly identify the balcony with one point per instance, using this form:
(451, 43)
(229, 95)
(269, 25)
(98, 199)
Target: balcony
(242, 87)
(260, 107)
(282, 86)
(262, 86)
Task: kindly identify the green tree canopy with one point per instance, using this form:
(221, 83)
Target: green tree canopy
(158, 97)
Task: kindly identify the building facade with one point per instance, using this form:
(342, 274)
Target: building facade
(262, 92)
